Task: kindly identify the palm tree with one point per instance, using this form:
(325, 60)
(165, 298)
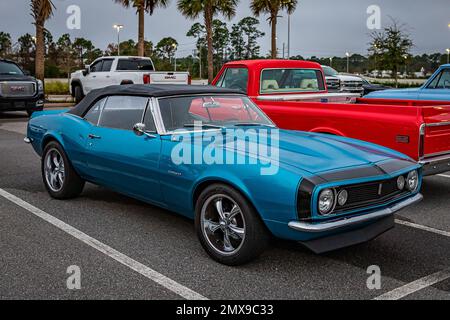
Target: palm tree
(208, 8)
(41, 11)
(272, 7)
(142, 7)
(5, 44)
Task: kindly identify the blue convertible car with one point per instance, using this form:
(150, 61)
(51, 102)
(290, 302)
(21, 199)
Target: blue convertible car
(212, 155)
(437, 88)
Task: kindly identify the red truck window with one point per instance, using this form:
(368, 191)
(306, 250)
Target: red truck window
(234, 78)
(291, 80)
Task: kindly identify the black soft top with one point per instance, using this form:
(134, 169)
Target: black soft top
(157, 91)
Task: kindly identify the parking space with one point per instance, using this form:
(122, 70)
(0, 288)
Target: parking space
(35, 253)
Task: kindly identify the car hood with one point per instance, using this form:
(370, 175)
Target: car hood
(394, 92)
(320, 153)
(376, 86)
(344, 77)
(76, 73)
(316, 153)
(16, 77)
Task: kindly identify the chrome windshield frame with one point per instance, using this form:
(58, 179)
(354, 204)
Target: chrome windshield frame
(162, 130)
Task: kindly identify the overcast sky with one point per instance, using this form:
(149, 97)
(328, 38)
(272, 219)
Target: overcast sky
(319, 27)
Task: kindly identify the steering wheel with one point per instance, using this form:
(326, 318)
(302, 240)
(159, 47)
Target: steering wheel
(237, 85)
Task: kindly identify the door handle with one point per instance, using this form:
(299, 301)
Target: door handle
(93, 136)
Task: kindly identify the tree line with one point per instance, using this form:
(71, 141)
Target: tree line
(43, 10)
(65, 54)
(215, 41)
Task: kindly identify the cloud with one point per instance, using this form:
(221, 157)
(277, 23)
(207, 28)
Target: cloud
(321, 28)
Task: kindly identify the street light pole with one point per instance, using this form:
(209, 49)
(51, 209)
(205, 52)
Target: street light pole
(289, 37)
(118, 27)
(406, 67)
(348, 62)
(200, 59)
(175, 55)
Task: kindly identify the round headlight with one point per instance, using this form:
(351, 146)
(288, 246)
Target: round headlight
(342, 197)
(40, 86)
(401, 182)
(326, 201)
(412, 181)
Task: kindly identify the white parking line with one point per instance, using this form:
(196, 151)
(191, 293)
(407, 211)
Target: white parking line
(444, 175)
(424, 228)
(415, 286)
(107, 250)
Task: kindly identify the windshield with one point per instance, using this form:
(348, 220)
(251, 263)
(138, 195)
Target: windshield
(10, 68)
(211, 112)
(291, 80)
(329, 72)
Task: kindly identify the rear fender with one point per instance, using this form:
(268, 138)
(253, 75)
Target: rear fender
(328, 131)
(436, 130)
(47, 113)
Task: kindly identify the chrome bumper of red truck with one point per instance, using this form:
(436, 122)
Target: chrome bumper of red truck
(436, 164)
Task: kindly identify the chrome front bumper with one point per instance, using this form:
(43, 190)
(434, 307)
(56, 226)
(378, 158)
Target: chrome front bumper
(436, 165)
(329, 226)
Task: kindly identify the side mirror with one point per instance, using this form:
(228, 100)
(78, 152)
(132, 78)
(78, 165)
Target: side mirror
(26, 72)
(139, 129)
(87, 70)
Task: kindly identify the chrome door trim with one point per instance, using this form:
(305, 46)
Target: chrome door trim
(438, 124)
(157, 117)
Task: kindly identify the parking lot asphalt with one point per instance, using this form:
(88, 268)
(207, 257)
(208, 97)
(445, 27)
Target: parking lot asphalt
(35, 254)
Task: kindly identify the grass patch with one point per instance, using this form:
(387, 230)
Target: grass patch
(57, 87)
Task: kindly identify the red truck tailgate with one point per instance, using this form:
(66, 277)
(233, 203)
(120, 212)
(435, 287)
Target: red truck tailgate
(437, 130)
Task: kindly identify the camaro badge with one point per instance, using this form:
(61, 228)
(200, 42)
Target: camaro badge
(380, 189)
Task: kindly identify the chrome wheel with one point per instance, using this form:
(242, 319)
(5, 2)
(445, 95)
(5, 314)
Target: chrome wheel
(223, 224)
(54, 170)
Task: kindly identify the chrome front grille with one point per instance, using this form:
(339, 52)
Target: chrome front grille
(17, 89)
(352, 84)
(333, 84)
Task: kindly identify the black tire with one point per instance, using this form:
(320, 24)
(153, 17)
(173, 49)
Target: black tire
(72, 185)
(78, 93)
(256, 236)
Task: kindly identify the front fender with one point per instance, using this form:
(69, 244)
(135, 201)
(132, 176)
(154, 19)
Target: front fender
(273, 197)
(205, 181)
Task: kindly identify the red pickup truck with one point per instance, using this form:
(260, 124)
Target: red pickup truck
(294, 95)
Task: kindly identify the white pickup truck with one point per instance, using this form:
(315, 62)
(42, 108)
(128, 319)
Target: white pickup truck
(107, 71)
